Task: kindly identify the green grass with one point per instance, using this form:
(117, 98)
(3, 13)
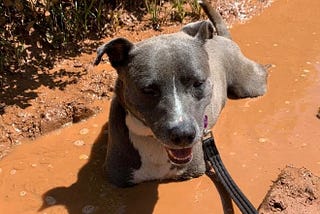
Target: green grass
(55, 23)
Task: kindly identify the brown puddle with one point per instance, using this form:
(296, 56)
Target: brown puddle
(61, 172)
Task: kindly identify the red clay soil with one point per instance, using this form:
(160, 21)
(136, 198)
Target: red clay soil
(295, 191)
(60, 172)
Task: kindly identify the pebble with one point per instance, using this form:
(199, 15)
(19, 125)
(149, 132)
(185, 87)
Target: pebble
(77, 64)
(78, 143)
(304, 145)
(23, 193)
(275, 45)
(306, 70)
(88, 209)
(83, 157)
(50, 200)
(34, 165)
(84, 131)
(287, 102)
(262, 140)
(13, 171)
(309, 63)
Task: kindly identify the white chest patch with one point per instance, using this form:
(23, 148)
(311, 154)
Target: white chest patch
(155, 164)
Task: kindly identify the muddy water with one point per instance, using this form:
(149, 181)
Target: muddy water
(61, 172)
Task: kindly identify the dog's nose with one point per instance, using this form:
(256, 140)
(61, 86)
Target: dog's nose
(182, 135)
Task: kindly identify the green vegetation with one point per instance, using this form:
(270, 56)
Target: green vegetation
(27, 26)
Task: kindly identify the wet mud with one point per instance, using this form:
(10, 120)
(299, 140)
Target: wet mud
(61, 172)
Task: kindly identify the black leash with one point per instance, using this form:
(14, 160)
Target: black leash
(212, 156)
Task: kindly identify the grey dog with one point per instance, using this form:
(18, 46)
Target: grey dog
(166, 86)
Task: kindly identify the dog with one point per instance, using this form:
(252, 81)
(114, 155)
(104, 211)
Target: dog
(165, 88)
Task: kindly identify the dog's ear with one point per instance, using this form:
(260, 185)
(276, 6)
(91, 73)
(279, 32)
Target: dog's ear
(201, 30)
(192, 28)
(205, 31)
(117, 51)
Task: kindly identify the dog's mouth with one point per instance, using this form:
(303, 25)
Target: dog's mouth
(179, 156)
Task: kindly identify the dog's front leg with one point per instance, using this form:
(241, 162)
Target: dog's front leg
(122, 158)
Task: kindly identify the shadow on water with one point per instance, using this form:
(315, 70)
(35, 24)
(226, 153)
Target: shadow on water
(91, 193)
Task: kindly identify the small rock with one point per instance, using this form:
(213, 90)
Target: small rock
(13, 171)
(262, 140)
(77, 64)
(50, 200)
(78, 143)
(84, 131)
(88, 209)
(23, 193)
(83, 157)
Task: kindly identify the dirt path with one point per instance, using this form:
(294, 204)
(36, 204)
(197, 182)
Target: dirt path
(61, 172)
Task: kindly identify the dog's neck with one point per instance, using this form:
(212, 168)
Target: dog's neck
(137, 127)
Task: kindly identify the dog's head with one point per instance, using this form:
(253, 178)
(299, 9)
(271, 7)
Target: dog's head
(163, 84)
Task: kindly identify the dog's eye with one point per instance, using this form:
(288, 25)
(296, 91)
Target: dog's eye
(198, 84)
(151, 90)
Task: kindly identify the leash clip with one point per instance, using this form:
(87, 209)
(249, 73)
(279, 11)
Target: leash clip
(207, 134)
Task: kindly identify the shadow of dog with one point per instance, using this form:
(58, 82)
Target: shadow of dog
(91, 193)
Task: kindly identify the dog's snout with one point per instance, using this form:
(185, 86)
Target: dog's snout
(182, 135)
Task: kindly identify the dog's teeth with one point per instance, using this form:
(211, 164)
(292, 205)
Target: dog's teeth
(178, 158)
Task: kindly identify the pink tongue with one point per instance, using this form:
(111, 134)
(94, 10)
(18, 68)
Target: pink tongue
(181, 153)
